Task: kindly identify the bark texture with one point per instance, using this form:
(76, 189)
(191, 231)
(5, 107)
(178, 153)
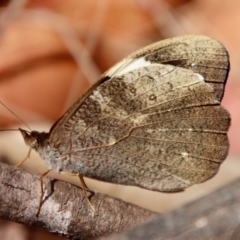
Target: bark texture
(64, 210)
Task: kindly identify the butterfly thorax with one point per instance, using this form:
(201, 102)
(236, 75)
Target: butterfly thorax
(39, 141)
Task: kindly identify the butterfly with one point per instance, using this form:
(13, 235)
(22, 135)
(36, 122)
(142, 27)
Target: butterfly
(154, 120)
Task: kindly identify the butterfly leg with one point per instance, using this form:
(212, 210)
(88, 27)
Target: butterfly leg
(21, 163)
(42, 192)
(83, 186)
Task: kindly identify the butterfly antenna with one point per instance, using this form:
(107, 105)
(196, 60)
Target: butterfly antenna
(15, 115)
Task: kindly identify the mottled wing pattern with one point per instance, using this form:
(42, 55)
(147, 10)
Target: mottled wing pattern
(156, 126)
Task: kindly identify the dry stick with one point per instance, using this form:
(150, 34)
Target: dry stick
(64, 209)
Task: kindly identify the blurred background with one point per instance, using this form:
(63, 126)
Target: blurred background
(52, 51)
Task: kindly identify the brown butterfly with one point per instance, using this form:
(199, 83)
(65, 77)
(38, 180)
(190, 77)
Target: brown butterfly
(154, 120)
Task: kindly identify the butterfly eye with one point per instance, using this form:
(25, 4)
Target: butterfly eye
(33, 143)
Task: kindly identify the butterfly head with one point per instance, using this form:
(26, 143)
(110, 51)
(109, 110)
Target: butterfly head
(33, 139)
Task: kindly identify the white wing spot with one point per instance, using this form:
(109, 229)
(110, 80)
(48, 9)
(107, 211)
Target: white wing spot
(200, 77)
(152, 97)
(184, 154)
(127, 65)
(111, 140)
(200, 223)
